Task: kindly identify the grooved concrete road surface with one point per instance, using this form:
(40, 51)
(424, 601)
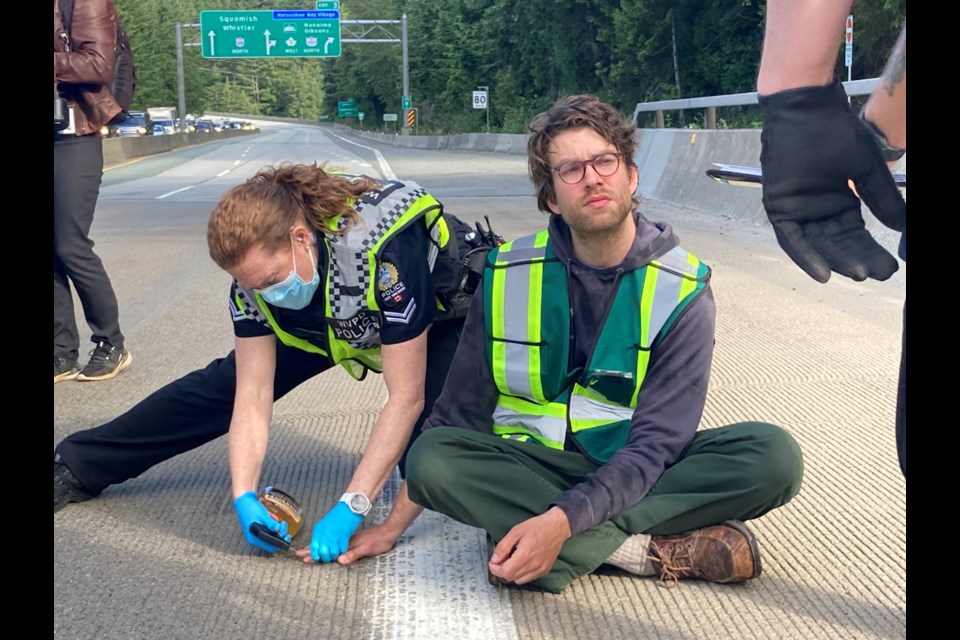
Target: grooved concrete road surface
(160, 556)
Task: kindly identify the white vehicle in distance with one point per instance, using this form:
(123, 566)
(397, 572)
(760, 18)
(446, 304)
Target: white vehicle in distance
(164, 127)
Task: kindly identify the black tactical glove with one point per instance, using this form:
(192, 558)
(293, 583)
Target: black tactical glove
(812, 143)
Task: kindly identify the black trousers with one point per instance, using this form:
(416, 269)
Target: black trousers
(197, 408)
(901, 415)
(77, 172)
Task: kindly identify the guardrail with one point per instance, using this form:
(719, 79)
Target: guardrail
(710, 104)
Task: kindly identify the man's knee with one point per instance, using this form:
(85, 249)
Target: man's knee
(779, 459)
(433, 463)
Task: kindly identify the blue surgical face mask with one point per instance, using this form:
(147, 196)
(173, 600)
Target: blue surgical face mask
(293, 292)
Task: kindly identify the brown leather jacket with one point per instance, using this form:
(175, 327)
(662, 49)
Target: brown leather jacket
(83, 70)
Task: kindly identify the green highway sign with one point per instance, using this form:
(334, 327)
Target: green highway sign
(293, 33)
(347, 108)
(328, 4)
(406, 102)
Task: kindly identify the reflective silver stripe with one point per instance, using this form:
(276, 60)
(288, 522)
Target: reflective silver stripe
(516, 309)
(678, 260)
(585, 408)
(549, 428)
(665, 296)
(667, 290)
(520, 250)
(434, 249)
(515, 306)
(515, 369)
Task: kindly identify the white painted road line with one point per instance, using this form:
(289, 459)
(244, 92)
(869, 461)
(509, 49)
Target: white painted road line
(174, 192)
(384, 167)
(435, 580)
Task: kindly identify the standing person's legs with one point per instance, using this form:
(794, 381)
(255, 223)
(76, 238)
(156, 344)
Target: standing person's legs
(901, 415)
(735, 472)
(178, 417)
(77, 173)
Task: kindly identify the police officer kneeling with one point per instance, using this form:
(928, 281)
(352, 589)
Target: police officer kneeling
(328, 270)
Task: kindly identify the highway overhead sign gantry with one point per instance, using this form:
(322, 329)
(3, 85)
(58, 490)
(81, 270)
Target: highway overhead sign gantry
(275, 33)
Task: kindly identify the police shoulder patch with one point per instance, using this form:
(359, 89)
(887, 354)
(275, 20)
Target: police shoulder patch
(392, 289)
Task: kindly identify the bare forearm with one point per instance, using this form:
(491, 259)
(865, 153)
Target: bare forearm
(247, 447)
(402, 514)
(800, 44)
(380, 539)
(252, 411)
(388, 439)
(887, 105)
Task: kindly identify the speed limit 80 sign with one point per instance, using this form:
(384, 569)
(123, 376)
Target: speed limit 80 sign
(479, 99)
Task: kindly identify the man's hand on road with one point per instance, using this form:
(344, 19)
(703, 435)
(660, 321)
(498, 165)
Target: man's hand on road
(530, 549)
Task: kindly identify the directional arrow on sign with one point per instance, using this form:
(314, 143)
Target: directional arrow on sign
(212, 37)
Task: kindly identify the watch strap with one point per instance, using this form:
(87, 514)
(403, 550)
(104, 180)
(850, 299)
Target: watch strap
(348, 498)
(890, 154)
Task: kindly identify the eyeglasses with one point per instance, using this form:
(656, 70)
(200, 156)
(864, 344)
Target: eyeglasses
(605, 164)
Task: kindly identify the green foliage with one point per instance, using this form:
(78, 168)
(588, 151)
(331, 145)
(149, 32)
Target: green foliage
(527, 52)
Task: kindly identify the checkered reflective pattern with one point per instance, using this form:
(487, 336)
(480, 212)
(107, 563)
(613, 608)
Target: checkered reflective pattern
(350, 274)
(250, 308)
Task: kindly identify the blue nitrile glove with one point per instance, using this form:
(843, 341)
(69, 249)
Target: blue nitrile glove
(250, 510)
(331, 536)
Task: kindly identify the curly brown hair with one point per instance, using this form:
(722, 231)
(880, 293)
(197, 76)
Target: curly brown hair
(263, 209)
(574, 112)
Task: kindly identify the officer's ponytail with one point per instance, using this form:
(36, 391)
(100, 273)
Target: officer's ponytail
(264, 208)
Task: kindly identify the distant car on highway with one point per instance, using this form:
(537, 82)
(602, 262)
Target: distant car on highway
(166, 126)
(206, 126)
(136, 124)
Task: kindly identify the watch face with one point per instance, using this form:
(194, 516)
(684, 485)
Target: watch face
(359, 503)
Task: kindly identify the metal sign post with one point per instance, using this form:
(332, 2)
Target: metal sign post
(848, 49)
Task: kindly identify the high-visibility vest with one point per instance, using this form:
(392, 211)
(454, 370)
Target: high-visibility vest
(351, 304)
(527, 317)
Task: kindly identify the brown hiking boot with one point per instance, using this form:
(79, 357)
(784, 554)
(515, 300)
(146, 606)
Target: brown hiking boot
(725, 552)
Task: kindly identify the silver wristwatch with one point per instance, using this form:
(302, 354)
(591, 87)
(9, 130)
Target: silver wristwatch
(358, 503)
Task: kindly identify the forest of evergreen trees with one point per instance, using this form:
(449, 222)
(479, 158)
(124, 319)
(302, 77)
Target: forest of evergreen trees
(528, 52)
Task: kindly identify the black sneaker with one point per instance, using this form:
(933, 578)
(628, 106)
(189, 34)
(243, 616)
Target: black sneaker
(106, 361)
(64, 369)
(66, 487)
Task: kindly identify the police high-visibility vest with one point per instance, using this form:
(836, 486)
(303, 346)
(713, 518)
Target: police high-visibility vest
(352, 308)
(527, 317)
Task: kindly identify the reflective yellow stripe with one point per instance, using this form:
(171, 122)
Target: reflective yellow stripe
(688, 285)
(498, 320)
(286, 338)
(534, 305)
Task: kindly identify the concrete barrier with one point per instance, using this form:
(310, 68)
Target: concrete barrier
(117, 150)
(672, 163)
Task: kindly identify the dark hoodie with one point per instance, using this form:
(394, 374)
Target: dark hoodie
(670, 402)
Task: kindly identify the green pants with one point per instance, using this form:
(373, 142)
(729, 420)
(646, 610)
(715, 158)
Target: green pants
(736, 472)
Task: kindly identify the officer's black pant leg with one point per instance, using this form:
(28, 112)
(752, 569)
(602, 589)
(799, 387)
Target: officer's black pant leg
(180, 416)
(441, 345)
(901, 412)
